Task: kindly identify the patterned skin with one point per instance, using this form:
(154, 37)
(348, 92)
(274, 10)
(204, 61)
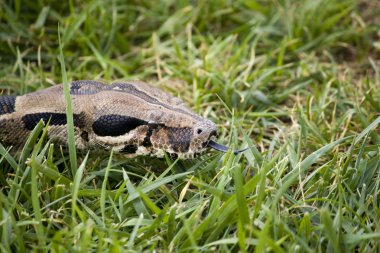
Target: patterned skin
(131, 117)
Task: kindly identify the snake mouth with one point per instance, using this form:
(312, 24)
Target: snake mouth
(216, 146)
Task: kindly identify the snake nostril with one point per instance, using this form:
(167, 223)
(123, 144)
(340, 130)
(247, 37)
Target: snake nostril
(213, 133)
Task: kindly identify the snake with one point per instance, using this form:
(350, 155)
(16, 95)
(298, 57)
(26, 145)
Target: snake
(131, 117)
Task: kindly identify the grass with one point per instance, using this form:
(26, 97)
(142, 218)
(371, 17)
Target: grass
(297, 81)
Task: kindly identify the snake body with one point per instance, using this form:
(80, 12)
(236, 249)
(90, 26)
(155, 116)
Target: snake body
(132, 117)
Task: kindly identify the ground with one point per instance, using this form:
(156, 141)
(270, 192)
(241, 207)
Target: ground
(296, 81)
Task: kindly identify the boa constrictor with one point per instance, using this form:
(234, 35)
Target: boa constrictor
(133, 118)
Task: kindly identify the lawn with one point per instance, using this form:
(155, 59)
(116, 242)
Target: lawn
(296, 81)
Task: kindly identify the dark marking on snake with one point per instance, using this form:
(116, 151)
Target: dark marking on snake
(84, 136)
(151, 129)
(179, 139)
(7, 104)
(115, 125)
(85, 87)
(129, 149)
(31, 120)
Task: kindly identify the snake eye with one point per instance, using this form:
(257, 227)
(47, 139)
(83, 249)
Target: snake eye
(199, 131)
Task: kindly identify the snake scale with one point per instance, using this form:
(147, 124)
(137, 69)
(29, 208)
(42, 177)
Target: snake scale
(131, 117)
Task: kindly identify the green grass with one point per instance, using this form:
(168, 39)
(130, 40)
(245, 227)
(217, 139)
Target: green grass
(297, 81)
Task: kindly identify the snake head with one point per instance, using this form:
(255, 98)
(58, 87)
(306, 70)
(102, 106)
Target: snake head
(185, 142)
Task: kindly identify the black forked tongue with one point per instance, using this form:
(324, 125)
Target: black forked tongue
(216, 146)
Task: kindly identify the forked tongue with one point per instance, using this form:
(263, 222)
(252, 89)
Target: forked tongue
(216, 146)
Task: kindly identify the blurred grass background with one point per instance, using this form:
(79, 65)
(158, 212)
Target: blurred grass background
(296, 80)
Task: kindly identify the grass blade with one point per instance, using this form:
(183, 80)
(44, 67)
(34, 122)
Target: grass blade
(69, 110)
(103, 192)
